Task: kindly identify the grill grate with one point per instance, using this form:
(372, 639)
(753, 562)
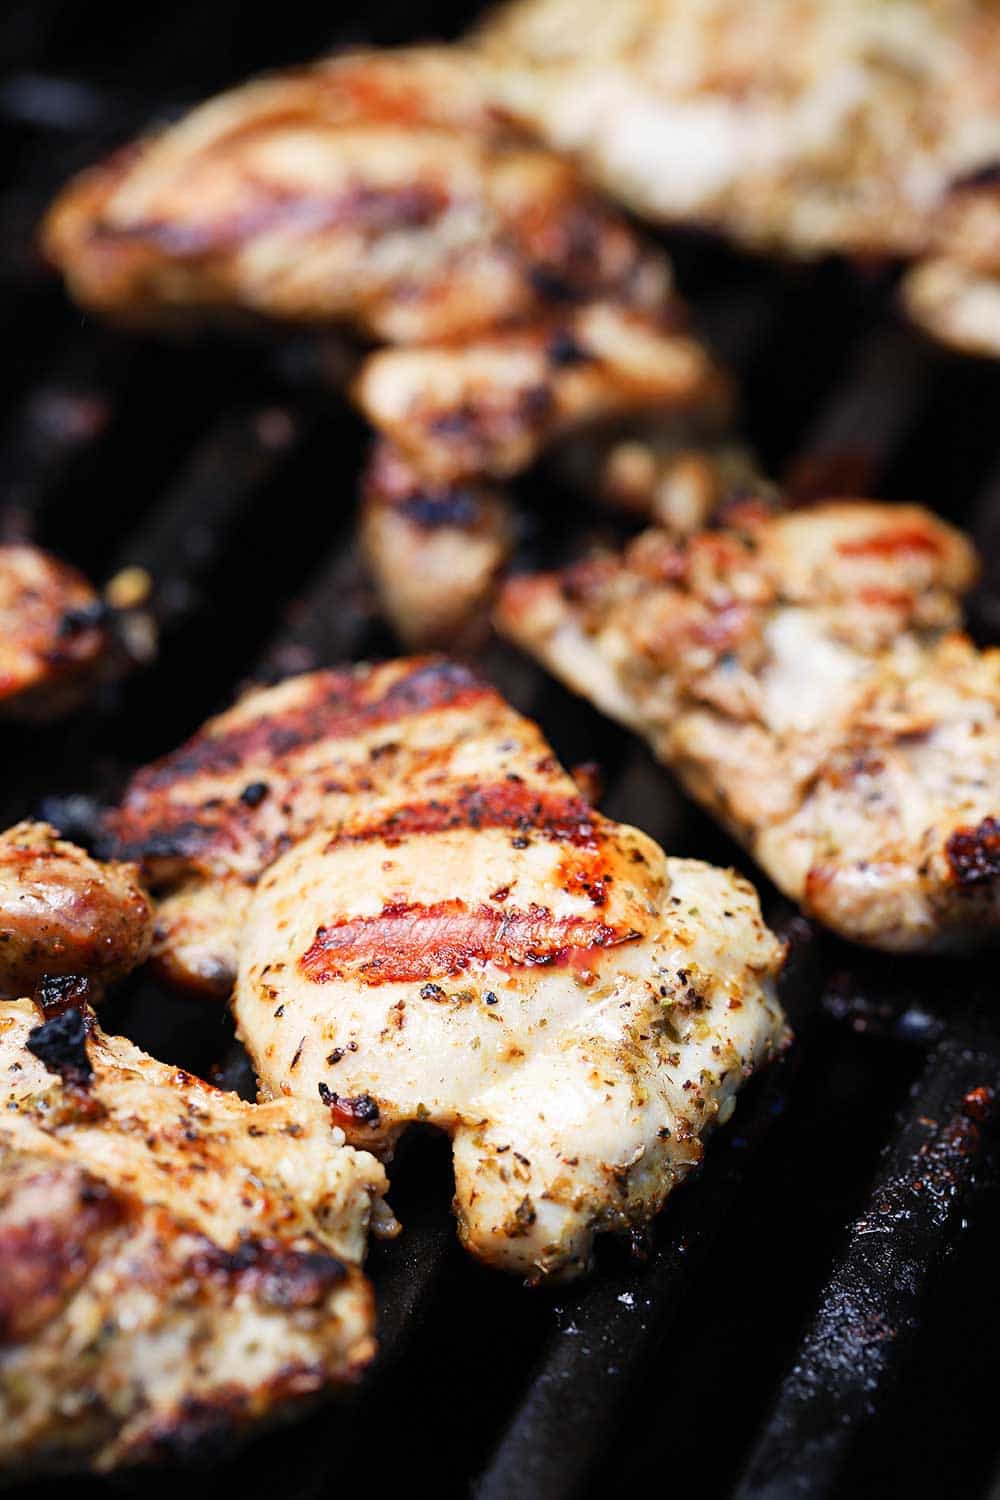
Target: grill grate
(802, 1323)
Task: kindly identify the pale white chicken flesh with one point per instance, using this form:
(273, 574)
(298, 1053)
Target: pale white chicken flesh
(431, 923)
(176, 1266)
(797, 126)
(804, 675)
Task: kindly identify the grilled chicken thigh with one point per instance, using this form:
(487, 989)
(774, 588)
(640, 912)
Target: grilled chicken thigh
(434, 550)
(52, 636)
(804, 675)
(63, 913)
(431, 923)
(803, 126)
(489, 406)
(377, 188)
(385, 191)
(175, 1265)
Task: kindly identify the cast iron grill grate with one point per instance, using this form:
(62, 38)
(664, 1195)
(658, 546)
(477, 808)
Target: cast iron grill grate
(816, 1315)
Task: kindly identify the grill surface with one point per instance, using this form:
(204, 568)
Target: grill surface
(816, 1315)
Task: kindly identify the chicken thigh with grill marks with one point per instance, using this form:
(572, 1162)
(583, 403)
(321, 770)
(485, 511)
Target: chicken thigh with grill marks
(804, 675)
(802, 126)
(176, 1265)
(431, 923)
(63, 913)
(385, 192)
(52, 637)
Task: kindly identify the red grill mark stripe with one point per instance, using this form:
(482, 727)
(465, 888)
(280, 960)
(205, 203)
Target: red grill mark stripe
(507, 804)
(411, 941)
(886, 543)
(339, 706)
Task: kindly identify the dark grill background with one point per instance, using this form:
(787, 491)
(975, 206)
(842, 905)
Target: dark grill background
(818, 1314)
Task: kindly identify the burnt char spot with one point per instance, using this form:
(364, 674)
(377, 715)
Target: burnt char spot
(338, 705)
(87, 617)
(410, 942)
(434, 509)
(974, 854)
(507, 804)
(274, 1274)
(55, 993)
(254, 794)
(362, 1109)
(563, 350)
(61, 1044)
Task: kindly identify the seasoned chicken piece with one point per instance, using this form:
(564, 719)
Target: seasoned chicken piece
(176, 1265)
(435, 551)
(52, 634)
(803, 675)
(803, 126)
(431, 923)
(489, 406)
(681, 481)
(956, 303)
(207, 820)
(378, 188)
(63, 913)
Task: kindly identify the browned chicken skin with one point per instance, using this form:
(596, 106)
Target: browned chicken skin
(52, 637)
(63, 913)
(804, 676)
(801, 126)
(429, 922)
(176, 1266)
(385, 192)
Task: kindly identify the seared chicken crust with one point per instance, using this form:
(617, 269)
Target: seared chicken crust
(52, 635)
(63, 913)
(804, 675)
(435, 550)
(431, 923)
(176, 1266)
(802, 126)
(378, 188)
(385, 191)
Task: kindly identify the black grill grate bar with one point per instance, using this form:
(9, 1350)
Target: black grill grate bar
(614, 1328)
(866, 419)
(196, 522)
(868, 1314)
(62, 416)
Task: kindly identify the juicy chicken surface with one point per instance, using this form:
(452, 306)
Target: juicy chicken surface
(803, 126)
(176, 1265)
(52, 640)
(489, 406)
(63, 913)
(804, 676)
(378, 188)
(435, 551)
(385, 191)
(431, 923)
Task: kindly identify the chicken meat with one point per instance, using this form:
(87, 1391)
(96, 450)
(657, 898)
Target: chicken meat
(805, 676)
(798, 126)
(430, 923)
(64, 914)
(176, 1266)
(53, 636)
(435, 550)
(384, 192)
